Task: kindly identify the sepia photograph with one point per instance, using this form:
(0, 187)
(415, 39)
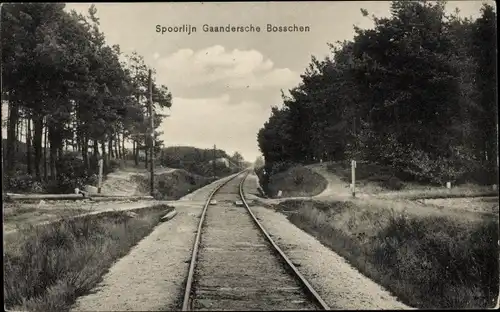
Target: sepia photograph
(241, 156)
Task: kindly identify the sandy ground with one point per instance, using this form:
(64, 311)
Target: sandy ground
(119, 182)
(152, 276)
(336, 190)
(336, 281)
(54, 211)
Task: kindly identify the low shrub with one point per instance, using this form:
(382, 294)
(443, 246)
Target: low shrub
(47, 267)
(298, 179)
(393, 183)
(428, 261)
(20, 183)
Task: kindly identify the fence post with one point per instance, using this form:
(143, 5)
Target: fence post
(100, 176)
(353, 179)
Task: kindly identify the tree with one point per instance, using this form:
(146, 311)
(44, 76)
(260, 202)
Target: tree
(237, 159)
(259, 162)
(415, 92)
(65, 84)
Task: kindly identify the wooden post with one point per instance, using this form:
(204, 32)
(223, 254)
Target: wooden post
(353, 173)
(152, 146)
(100, 176)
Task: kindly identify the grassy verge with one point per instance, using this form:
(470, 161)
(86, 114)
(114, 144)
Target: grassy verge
(47, 267)
(428, 261)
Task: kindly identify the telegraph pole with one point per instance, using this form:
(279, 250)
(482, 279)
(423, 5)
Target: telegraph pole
(152, 144)
(353, 161)
(213, 165)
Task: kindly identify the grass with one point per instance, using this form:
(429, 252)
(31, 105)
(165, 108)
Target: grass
(428, 261)
(413, 193)
(296, 181)
(375, 178)
(47, 267)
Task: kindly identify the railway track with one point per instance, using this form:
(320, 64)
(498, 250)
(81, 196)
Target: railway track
(235, 265)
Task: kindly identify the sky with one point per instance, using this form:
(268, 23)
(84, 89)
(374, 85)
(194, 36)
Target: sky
(224, 84)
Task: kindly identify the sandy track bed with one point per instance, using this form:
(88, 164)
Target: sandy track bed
(152, 276)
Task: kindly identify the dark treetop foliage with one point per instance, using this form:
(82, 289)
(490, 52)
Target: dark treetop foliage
(65, 87)
(417, 92)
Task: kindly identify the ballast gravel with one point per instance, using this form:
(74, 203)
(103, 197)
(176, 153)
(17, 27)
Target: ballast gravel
(339, 284)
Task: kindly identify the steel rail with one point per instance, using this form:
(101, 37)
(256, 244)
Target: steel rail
(192, 265)
(299, 276)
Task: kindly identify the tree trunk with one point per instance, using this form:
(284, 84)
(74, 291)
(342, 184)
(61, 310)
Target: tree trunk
(85, 151)
(136, 153)
(45, 145)
(17, 139)
(11, 137)
(95, 165)
(117, 150)
(28, 145)
(37, 141)
(115, 142)
(146, 158)
(110, 147)
(59, 156)
(53, 152)
(78, 137)
(104, 157)
(123, 146)
(73, 141)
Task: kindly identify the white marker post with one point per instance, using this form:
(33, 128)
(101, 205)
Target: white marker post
(353, 173)
(100, 177)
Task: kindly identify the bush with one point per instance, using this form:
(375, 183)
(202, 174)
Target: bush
(71, 174)
(280, 166)
(74, 253)
(332, 167)
(21, 183)
(298, 178)
(113, 164)
(428, 261)
(37, 187)
(393, 183)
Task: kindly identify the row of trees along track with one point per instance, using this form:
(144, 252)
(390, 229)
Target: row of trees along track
(417, 92)
(65, 87)
(235, 264)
